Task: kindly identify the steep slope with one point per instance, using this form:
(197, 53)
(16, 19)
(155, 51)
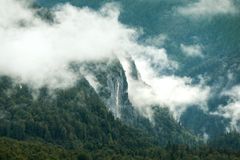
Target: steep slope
(72, 117)
(113, 89)
(219, 40)
(86, 115)
(217, 37)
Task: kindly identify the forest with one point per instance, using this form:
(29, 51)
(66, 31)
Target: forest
(59, 127)
(94, 117)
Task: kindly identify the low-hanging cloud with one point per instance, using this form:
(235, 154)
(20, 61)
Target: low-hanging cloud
(152, 89)
(38, 52)
(208, 8)
(232, 109)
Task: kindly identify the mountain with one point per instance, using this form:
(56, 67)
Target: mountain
(70, 117)
(113, 90)
(80, 118)
(80, 114)
(122, 79)
(63, 121)
(216, 36)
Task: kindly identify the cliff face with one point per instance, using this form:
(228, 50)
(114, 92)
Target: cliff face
(110, 82)
(219, 43)
(112, 87)
(96, 107)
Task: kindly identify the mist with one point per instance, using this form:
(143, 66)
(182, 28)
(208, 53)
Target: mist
(231, 111)
(171, 91)
(38, 52)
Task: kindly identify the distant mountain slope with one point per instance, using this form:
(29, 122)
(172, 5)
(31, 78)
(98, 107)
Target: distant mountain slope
(72, 117)
(218, 38)
(113, 90)
(82, 115)
(96, 113)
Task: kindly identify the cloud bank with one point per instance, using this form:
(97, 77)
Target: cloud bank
(210, 8)
(38, 53)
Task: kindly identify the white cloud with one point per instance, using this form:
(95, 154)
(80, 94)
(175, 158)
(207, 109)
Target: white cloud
(12, 12)
(232, 109)
(208, 8)
(176, 93)
(192, 50)
(38, 53)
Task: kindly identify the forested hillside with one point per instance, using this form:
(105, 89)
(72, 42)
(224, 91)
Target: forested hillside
(75, 124)
(71, 118)
(119, 80)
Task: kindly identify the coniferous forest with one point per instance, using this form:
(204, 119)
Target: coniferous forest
(119, 80)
